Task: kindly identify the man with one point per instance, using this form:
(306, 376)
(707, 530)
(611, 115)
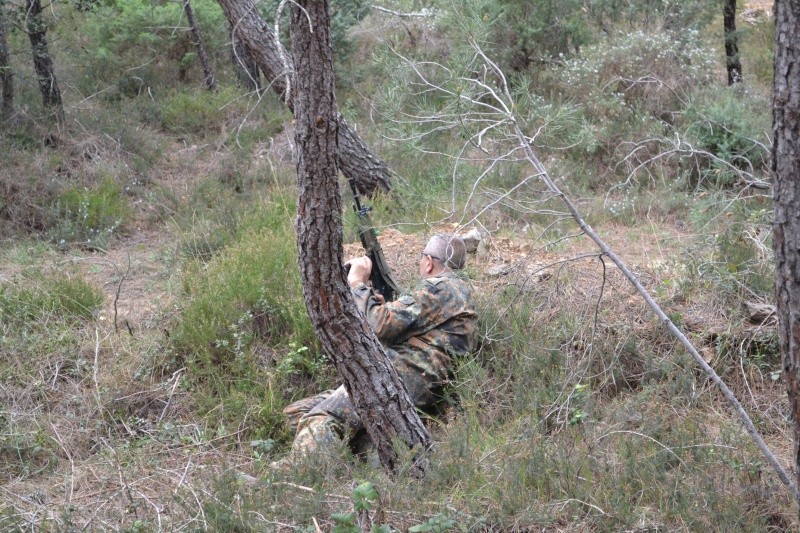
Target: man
(423, 331)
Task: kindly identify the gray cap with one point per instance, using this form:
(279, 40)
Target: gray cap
(449, 249)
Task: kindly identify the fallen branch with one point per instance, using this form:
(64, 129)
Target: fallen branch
(490, 100)
(662, 316)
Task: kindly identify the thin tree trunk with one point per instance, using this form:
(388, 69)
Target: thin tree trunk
(733, 64)
(377, 392)
(246, 68)
(6, 74)
(42, 60)
(355, 158)
(786, 199)
(208, 74)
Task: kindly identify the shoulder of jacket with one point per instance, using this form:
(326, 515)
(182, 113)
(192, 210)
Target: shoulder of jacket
(406, 299)
(437, 280)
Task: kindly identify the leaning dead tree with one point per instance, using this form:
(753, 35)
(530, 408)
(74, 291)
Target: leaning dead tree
(356, 160)
(42, 60)
(378, 394)
(197, 40)
(484, 110)
(786, 200)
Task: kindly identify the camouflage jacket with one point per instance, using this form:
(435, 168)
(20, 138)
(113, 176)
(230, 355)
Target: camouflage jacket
(426, 327)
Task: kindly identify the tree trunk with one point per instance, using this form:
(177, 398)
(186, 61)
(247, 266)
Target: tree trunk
(208, 74)
(786, 199)
(6, 74)
(355, 158)
(734, 65)
(42, 60)
(246, 68)
(377, 392)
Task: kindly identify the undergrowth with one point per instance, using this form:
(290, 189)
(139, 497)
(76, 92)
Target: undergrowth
(153, 327)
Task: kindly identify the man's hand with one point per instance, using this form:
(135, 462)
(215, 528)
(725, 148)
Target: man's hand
(360, 269)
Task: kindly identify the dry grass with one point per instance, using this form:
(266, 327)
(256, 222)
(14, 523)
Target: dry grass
(579, 413)
(103, 443)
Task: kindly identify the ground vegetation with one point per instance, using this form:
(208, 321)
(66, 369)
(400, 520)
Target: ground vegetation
(152, 316)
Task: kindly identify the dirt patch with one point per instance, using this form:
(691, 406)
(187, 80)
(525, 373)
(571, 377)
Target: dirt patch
(132, 276)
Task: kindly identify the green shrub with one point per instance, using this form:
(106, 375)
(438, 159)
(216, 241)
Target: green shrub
(639, 70)
(218, 211)
(90, 216)
(37, 297)
(249, 292)
(529, 34)
(344, 14)
(22, 194)
(733, 255)
(244, 333)
(628, 88)
(652, 15)
(730, 124)
(138, 45)
(195, 112)
(117, 139)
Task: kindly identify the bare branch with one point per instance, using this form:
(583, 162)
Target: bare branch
(500, 105)
(400, 14)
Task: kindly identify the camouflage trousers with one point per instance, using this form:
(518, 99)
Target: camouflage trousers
(326, 419)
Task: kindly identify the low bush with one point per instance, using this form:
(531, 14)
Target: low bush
(629, 89)
(37, 298)
(90, 216)
(193, 112)
(244, 333)
(137, 46)
(644, 71)
(729, 125)
(733, 254)
(22, 196)
(247, 294)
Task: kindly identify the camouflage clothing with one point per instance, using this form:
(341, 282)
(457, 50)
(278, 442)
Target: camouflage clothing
(423, 332)
(425, 328)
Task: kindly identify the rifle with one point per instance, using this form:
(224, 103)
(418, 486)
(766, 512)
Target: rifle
(381, 275)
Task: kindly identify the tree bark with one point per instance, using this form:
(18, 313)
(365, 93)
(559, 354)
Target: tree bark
(246, 68)
(6, 74)
(42, 60)
(786, 199)
(732, 62)
(378, 394)
(208, 74)
(355, 158)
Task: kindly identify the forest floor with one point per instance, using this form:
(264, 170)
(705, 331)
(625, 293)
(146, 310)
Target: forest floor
(578, 412)
(93, 446)
(104, 486)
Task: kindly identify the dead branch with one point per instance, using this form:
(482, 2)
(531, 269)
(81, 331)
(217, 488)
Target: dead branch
(502, 106)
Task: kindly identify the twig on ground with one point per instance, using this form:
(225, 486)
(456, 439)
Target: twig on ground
(119, 288)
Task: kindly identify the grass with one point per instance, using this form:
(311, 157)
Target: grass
(90, 217)
(138, 377)
(35, 297)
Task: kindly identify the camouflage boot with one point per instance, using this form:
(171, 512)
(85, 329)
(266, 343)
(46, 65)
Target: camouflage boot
(316, 434)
